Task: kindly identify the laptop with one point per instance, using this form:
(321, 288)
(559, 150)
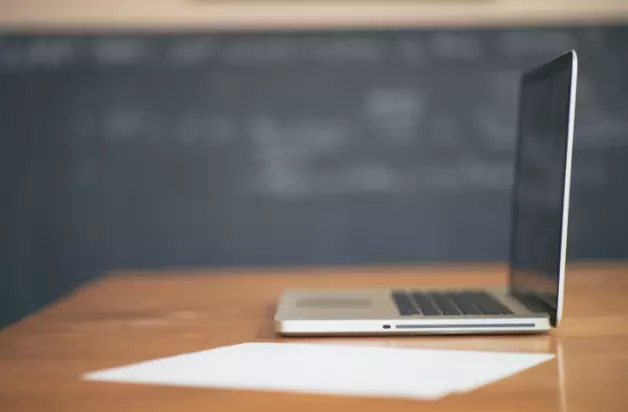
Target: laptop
(533, 300)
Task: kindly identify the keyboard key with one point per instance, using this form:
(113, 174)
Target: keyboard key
(464, 301)
(489, 305)
(448, 304)
(404, 304)
(445, 304)
(426, 305)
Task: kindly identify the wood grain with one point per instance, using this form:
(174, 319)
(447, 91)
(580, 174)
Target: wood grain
(130, 317)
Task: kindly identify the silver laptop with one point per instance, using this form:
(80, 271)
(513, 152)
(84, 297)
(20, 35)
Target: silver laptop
(533, 300)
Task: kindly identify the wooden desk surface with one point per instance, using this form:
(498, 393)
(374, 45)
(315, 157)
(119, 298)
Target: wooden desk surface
(132, 317)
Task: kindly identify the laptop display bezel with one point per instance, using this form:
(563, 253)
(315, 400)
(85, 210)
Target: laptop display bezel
(564, 64)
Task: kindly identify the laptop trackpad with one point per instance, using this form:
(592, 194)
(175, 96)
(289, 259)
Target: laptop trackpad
(338, 304)
(334, 303)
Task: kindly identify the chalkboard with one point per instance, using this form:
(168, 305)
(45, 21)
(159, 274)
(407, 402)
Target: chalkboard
(151, 150)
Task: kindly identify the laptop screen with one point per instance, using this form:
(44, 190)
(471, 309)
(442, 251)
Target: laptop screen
(542, 159)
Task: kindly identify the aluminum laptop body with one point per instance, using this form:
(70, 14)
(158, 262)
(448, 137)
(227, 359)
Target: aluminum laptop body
(533, 300)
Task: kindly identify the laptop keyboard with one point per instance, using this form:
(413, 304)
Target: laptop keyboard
(448, 303)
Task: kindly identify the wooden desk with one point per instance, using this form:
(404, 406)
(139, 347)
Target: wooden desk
(131, 317)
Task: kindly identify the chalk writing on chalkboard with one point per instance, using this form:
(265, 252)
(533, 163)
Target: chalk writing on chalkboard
(530, 42)
(119, 51)
(190, 52)
(293, 147)
(457, 46)
(402, 112)
(395, 114)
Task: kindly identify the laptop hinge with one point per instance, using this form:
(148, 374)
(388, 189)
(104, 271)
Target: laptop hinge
(536, 304)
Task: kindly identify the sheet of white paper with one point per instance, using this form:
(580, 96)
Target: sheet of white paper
(329, 369)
